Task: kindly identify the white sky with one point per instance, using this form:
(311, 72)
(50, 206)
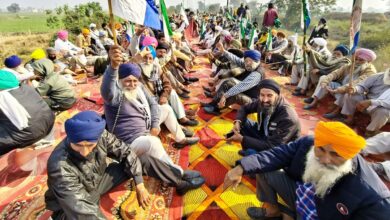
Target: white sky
(381, 5)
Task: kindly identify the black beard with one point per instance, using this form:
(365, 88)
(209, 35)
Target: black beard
(266, 109)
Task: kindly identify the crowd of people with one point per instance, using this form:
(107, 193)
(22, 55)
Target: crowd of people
(145, 79)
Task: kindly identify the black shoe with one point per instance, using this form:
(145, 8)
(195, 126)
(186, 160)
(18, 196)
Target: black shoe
(190, 122)
(188, 132)
(207, 89)
(212, 110)
(187, 141)
(208, 94)
(258, 213)
(186, 82)
(193, 79)
(183, 95)
(187, 185)
(308, 100)
(298, 93)
(331, 115)
(191, 174)
(204, 104)
(309, 106)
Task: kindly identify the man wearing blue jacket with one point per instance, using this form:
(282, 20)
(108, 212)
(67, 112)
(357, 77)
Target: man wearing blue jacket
(318, 178)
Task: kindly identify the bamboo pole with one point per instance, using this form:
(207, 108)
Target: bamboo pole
(352, 69)
(112, 22)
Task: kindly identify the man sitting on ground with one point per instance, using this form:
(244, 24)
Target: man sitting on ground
(277, 122)
(324, 178)
(337, 82)
(25, 117)
(13, 65)
(53, 88)
(372, 95)
(231, 92)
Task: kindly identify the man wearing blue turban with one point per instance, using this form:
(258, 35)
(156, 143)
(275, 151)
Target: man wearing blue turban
(78, 171)
(241, 90)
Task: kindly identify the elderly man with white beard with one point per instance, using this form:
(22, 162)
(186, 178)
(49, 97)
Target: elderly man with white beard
(318, 178)
(337, 82)
(135, 117)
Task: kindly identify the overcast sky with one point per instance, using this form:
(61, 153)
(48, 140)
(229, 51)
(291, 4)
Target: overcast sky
(381, 5)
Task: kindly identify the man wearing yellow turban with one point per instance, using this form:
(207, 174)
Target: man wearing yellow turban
(320, 177)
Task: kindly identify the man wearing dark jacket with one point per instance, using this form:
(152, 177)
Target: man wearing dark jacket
(322, 178)
(90, 161)
(25, 118)
(277, 122)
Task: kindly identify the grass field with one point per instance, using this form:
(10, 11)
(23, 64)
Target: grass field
(23, 22)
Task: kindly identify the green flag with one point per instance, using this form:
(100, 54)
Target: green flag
(251, 44)
(167, 28)
(242, 30)
(268, 44)
(202, 29)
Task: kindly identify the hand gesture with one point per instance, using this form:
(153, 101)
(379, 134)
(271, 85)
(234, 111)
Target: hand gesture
(143, 196)
(363, 105)
(116, 56)
(351, 90)
(233, 177)
(222, 102)
(220, 47)
(237, 137)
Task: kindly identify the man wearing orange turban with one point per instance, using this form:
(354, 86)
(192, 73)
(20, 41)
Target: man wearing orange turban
(320, 177)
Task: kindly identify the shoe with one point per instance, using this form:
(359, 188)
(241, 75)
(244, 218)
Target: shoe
(331, 115)
(212, 110)
(190, 123)
(205, 104)
(309, 106)
(208, 94)
(193, 79)
(345, 121)
(188, 132)
(187, 141)
(297, 89)
(298, 93)
(185, 90)
(308, 100)
(186, 83)
(187, 185)
(183, 95)
(207, 89)
(258, 213)
(191, 174)
(191, 112)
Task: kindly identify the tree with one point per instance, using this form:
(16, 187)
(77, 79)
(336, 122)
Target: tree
(73, 19)
(292, 10)
(201, 6)
(214, 8)
(13, 8)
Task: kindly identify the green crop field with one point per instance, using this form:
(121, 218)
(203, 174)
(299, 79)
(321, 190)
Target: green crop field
(23, 22)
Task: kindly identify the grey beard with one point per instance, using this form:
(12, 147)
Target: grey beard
(147, 69)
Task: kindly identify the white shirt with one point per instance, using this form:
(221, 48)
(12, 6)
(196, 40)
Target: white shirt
(66, 46)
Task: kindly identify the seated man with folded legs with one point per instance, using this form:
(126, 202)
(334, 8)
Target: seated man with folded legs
(372, 96)
(318, 178)
(91, 161)
(277, 122)
(130, 111)
(337, 82)
(242, 91)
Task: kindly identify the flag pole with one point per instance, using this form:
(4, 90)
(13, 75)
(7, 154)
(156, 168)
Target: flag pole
(112, 22)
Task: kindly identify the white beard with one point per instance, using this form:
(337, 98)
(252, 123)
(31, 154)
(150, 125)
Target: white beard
(360, 68)
(130, 94)
(147, 69)
(322, 177)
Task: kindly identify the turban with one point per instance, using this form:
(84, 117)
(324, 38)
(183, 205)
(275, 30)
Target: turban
(102, 34)
(92, 25)
(85, 126)
(152, 51)
(365, 54)
(218, 28)
(293, 39)
(177, 35)
(128, 69)
(117, 26)
(162, 45)
(12, 61)
(63, 34)
(225, 33)
(149, 41)
(342, 138)
(38, 54)
(269, 84)
(253, 54)
(85, 31)
(323, 20)
(8, 80)
(236, 44)
(274, 32)
(320, 41)
(50, 50)
(343, 49)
